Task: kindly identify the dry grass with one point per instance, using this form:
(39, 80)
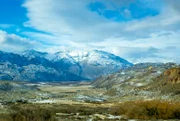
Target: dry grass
(47, 112)
(26, 112)
(131, 110)
(148, 110)
(64, 89)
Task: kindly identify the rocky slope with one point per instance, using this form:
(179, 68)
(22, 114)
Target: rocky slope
(146, 80)
(173, 75)
(61, 66)
(167, 83)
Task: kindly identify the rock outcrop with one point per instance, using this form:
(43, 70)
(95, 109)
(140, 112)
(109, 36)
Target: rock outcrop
(173, 75)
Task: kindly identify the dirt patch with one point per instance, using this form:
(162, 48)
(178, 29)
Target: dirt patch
(64, 89)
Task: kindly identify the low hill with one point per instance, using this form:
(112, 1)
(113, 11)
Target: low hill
(145, 80)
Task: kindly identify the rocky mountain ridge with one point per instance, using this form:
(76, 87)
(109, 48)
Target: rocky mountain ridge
(64, 65)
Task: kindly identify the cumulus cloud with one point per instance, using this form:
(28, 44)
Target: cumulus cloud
(173, 5)
(161, 47)
(146, 54)
(73, 23)
(77, 23)
(12, 42)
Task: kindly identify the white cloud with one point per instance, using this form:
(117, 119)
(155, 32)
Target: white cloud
(71, 23)
(161, 47)
(146, 54)
(74, 21)
(12, 42)
(71, 19)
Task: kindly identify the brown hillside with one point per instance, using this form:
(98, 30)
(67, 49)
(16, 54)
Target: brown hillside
(167, 83)
(173, 75)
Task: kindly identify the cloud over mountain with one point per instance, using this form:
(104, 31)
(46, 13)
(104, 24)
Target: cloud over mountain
(118, 26)
(12, 42)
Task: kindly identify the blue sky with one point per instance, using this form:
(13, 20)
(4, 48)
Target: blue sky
(12, 13)
(137, 30)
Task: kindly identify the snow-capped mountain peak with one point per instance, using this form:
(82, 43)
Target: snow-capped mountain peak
(64, 65)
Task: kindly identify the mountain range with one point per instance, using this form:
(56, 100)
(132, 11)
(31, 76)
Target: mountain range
(65, 65)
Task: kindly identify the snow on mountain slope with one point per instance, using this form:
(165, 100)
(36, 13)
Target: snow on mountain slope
(99, 57)
(63, 65)
(96, 63)
(33, 54)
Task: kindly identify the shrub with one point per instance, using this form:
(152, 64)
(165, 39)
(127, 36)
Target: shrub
(148, 110)
(32, 113)
(5, 117)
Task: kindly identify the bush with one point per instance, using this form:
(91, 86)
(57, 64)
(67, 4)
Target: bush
(48, 112)
(5, 117)
(33, 114)
(148, 110)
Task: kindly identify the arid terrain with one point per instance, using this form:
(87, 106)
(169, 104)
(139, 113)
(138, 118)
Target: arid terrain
(89, 60)
(152, 93)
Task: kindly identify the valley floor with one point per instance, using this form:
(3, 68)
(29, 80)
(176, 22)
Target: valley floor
(22, 101)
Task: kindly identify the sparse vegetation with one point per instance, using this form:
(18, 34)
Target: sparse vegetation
(6, 86)
(146, 95)
(148, 110)
(33, 113)
(145, 110)
(48, 112)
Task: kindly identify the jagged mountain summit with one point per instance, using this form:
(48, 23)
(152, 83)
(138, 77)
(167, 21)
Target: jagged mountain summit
(64, 65)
